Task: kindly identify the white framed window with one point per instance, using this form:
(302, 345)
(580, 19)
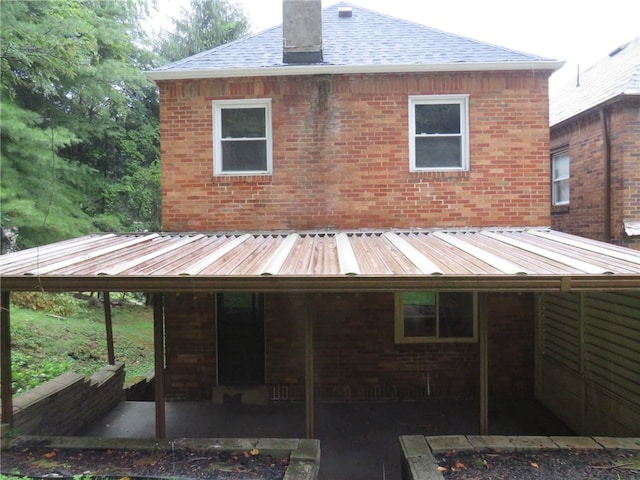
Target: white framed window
(242, 137)
(432, 317)
(438, 132)
(560, 175)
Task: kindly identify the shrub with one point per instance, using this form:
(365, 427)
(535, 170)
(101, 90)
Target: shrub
(55, 303)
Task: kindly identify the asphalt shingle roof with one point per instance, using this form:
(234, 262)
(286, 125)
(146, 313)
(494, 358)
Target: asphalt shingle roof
(366, 39)
(617, 74)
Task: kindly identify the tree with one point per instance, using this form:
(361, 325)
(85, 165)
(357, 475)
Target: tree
(205, 25)
(78, 115)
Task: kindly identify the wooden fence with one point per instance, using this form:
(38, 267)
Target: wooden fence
(588, 361)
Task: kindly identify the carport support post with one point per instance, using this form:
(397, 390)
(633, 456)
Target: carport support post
(111, 356)
(483, 337)
(158, 355)
(5, 359)
(308, 366)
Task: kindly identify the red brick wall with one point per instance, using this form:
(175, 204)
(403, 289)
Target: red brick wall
(355, 356)
(585, 214)
(511, 345)
(341, 156)
(190, 339)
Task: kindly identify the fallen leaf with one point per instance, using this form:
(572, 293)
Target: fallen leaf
(49, 455)
(442, 469)
(254, 452)
(534, 464)
(460, 465)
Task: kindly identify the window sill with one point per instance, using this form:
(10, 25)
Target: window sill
(559, 209)
(252, 178)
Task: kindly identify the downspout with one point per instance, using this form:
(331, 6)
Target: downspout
(606, 145)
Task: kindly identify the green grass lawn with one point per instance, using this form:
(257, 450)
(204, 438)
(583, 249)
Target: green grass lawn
(53, 334)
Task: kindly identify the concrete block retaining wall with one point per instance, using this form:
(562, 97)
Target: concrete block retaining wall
(64, 405)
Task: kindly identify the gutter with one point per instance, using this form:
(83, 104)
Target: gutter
(328, 69)
(606, 147)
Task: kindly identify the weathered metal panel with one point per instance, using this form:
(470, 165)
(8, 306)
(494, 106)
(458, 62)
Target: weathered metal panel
(513, 259)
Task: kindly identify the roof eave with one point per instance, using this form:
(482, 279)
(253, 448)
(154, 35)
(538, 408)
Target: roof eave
(623, 96)
(324, 283)
(158, 75)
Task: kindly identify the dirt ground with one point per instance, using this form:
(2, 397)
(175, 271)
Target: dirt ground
(36, 460)
(541, 465)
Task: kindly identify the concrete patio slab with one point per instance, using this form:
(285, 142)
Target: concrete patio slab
(359, 441)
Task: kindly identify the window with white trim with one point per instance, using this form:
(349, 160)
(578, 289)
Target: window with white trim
(242, 137)
(426, 317)
(439, 132)
(560, 175)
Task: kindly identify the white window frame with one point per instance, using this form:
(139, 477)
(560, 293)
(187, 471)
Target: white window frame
(399, 330)
(463, 102)
(555, 156)
(220, 105)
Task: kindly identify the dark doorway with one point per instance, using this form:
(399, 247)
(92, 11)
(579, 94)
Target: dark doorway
(240, 338)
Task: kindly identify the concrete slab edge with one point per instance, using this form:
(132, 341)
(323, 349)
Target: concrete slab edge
(304, 454)
(418, 461)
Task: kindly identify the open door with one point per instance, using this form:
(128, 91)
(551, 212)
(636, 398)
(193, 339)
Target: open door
(240, 324)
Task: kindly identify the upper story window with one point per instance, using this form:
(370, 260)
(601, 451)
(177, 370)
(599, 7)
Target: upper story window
(242, 137)
(439, 132)
(560, 174)
(424, 317)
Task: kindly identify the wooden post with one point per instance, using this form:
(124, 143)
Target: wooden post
(5, 359)
(111, 356)
(308, 366)
(158, 355)
(484, 363)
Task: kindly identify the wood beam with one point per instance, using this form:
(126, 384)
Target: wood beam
(158, 347)
(111, 356)
(483, 336)
(308, 367)
(6, 394)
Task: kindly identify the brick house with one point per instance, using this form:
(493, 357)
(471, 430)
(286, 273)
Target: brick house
(337, 147)
(595, 145)
(355, 207)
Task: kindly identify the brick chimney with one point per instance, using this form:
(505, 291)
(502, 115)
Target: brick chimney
(302, 31)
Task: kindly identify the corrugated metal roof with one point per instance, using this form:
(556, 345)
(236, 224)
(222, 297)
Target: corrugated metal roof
(516, 259)
(366, 39)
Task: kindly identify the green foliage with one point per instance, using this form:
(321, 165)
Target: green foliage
(45, 346)
(78, 115)
(56, 303)
(205, 25)
(29, 371)
(80, 137)
(137, 198)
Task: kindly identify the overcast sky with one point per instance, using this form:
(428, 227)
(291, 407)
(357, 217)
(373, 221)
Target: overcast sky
(579, 32)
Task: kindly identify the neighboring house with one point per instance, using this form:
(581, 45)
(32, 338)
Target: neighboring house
(595, 150)
(369, 207)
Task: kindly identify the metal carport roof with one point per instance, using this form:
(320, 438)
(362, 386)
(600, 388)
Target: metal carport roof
(516, 259)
